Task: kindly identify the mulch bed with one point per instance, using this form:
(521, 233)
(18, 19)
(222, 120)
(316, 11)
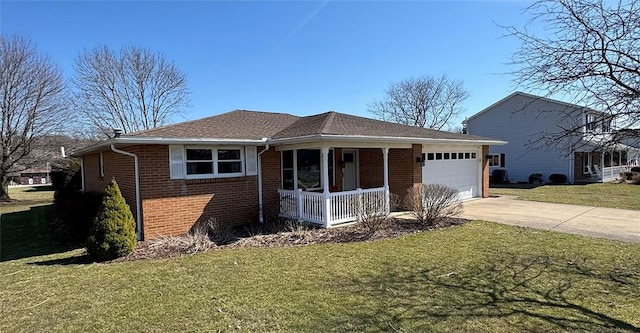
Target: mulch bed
(281, 235)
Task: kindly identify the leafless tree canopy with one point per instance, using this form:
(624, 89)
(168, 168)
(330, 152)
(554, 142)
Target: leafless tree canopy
(133, 90)
(32, 101)
(589, 52)
(423, 101)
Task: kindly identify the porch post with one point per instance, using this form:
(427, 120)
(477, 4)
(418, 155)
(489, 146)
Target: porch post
(385, 161)
(326, 201)
(602, 166)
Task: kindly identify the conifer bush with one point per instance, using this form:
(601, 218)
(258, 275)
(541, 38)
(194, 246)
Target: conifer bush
(112, 233)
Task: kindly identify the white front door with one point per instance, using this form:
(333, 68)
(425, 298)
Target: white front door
(350, 171)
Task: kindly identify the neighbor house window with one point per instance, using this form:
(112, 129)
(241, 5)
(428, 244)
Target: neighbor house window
(497, 160)
(214, 162)
(590, 122)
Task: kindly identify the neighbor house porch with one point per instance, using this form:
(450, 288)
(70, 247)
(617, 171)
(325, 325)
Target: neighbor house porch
(333, 185)
(598, 166)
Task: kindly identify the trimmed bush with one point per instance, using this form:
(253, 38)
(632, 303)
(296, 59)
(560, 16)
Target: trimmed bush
(112, 233)
(73, 209)
(557, 178)
(535, 178)
(73, 214)
(635, 169)
(499, 176)
(430, 202)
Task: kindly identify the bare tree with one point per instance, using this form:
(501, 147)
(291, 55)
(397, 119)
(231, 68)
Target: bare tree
(587, 51)
(133, 90)
(32, 102)
(424, 101)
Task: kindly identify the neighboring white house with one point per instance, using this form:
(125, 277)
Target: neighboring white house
(523, 120)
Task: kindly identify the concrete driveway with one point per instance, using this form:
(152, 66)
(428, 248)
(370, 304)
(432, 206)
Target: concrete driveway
(619, 224)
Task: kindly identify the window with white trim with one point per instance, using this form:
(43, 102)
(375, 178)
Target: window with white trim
(302, 168)
(206, 162)
(496, 160)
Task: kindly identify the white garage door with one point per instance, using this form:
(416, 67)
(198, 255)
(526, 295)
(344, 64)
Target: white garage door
(455, 168)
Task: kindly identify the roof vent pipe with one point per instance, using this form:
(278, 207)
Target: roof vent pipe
(117, 132)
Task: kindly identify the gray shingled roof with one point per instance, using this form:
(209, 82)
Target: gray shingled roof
(334, 123)
(255, 125)
(238, 124)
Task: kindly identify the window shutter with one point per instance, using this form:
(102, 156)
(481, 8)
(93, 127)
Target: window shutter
(251, 160)
(502, 162)
(176, 161)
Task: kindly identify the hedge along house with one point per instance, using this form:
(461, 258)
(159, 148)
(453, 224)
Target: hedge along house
(241, 166)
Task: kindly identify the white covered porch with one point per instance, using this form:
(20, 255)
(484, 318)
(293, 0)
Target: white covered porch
(333, 208)
(606, 166)
(323, 204)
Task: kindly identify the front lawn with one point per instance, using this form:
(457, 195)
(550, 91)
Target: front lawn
(24, 223)
(609, 195)
(477, 277)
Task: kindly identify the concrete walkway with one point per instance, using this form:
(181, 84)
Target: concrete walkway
(611, 223)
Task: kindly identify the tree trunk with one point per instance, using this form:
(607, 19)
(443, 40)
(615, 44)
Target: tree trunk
(4, 190)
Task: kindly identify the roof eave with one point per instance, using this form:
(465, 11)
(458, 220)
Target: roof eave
(355, 138)
(166, 141)
(547, 99)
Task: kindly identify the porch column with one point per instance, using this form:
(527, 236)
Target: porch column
(385, 161)
(602, 166)
(326, 202)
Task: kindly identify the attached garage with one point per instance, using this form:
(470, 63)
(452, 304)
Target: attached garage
(457, 166)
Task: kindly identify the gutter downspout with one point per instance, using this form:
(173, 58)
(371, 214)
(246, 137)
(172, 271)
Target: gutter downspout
(137, 175)
(82, 173)
(260, 213)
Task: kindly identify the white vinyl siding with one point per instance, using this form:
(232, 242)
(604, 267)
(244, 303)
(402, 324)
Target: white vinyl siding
(521, 120)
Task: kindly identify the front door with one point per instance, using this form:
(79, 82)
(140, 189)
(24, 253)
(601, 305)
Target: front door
(350, 171)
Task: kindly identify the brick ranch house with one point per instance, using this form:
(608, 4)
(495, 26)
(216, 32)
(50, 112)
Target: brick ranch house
(241, 166)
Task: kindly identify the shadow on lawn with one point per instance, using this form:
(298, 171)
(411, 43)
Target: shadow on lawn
(26, 234)
(507, 294)
(82, 259)
(40, 188)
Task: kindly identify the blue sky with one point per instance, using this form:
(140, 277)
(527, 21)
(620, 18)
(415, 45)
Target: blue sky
(298, 57)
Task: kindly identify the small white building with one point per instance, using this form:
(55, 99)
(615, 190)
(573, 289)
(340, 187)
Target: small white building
(525, 121)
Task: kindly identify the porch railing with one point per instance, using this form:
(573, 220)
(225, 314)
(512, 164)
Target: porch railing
(332, 208)
(612, 173)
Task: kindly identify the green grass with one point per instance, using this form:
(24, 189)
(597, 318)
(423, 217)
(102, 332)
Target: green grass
(24, 223)
(600, 195)
(478, 277)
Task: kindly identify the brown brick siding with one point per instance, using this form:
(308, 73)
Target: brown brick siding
(485, 172)
(118, 166)
(172, 206)
(370, 167)
(404, 172)
(271, 182)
